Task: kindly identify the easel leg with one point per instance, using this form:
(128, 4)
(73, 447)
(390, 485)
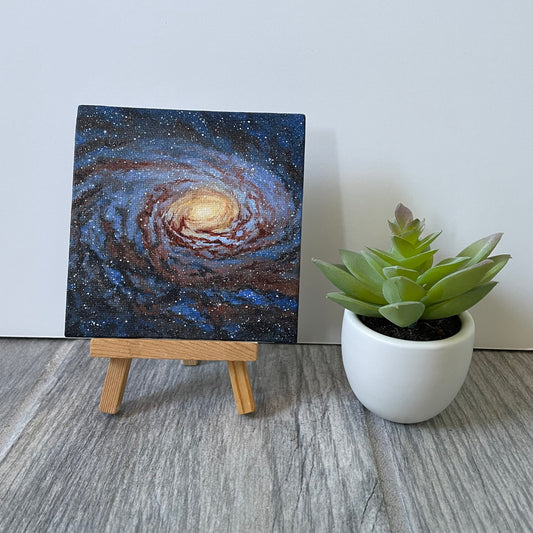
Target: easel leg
(242, 389)
(114, 385)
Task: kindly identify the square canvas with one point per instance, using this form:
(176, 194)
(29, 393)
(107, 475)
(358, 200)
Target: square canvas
(185, 225)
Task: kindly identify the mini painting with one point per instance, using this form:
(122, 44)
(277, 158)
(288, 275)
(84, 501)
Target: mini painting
(185, 225)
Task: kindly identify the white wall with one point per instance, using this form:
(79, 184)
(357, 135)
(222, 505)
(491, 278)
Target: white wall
(422, 102)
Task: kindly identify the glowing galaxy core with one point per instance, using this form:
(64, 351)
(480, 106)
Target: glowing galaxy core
(185, 225)
(203, 211)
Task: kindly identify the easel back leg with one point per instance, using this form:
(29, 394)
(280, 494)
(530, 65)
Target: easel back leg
(189, 362)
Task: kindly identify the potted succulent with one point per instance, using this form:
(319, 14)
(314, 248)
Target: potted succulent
(407, 337)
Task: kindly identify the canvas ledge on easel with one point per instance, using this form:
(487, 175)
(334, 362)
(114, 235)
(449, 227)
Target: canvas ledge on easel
(185, 225)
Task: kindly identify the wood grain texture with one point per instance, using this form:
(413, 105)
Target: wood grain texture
(310, 458)
(121, 351)
(174, 349)
(470, 469)
(28, 370)
(179, 458)
(114, 385)
(242, 390)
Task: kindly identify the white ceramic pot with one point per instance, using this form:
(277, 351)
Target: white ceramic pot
(405, 381)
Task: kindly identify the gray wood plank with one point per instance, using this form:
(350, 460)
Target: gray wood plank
(27, 371)
(470, 468)
(179, 458)
(22, 363)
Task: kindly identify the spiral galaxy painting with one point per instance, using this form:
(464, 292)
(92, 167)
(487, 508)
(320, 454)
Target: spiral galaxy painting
(185, 225)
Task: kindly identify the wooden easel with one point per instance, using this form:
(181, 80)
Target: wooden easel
(121, 351)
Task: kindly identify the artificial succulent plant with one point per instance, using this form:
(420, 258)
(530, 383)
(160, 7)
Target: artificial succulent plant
(403, 285)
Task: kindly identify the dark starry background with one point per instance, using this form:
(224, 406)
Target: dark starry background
(132, 275)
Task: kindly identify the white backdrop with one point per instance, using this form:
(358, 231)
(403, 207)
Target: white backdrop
(422, 102)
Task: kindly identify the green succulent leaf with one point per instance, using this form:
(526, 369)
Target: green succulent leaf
(413, 235)
(402, 284)
(413, 232)
(460, 303)
(402, 247)
(415, 225)
(361, 269)
(420, 261)
(356, 306)
(424, 243)
(349, 284)
(394, 228)
(416, 261)
(391, 272)
(402, 289)
(441, 270)
(426, 266)
(374, 261)
(403, 314)
(405, 225)
(457, 283)
(499, 261)
(481, 249)
(386, 258)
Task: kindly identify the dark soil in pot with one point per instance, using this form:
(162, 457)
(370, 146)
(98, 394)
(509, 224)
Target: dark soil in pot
(423, 330)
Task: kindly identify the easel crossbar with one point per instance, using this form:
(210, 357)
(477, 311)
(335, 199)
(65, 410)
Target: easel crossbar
(174, 349)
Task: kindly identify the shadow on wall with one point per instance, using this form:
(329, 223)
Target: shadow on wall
(322, 223)
(371, 196)
(509, 318)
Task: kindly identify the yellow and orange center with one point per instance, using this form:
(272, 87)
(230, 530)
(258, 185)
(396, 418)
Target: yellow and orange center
(203, 210)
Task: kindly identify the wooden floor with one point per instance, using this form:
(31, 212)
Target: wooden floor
(178, 458)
